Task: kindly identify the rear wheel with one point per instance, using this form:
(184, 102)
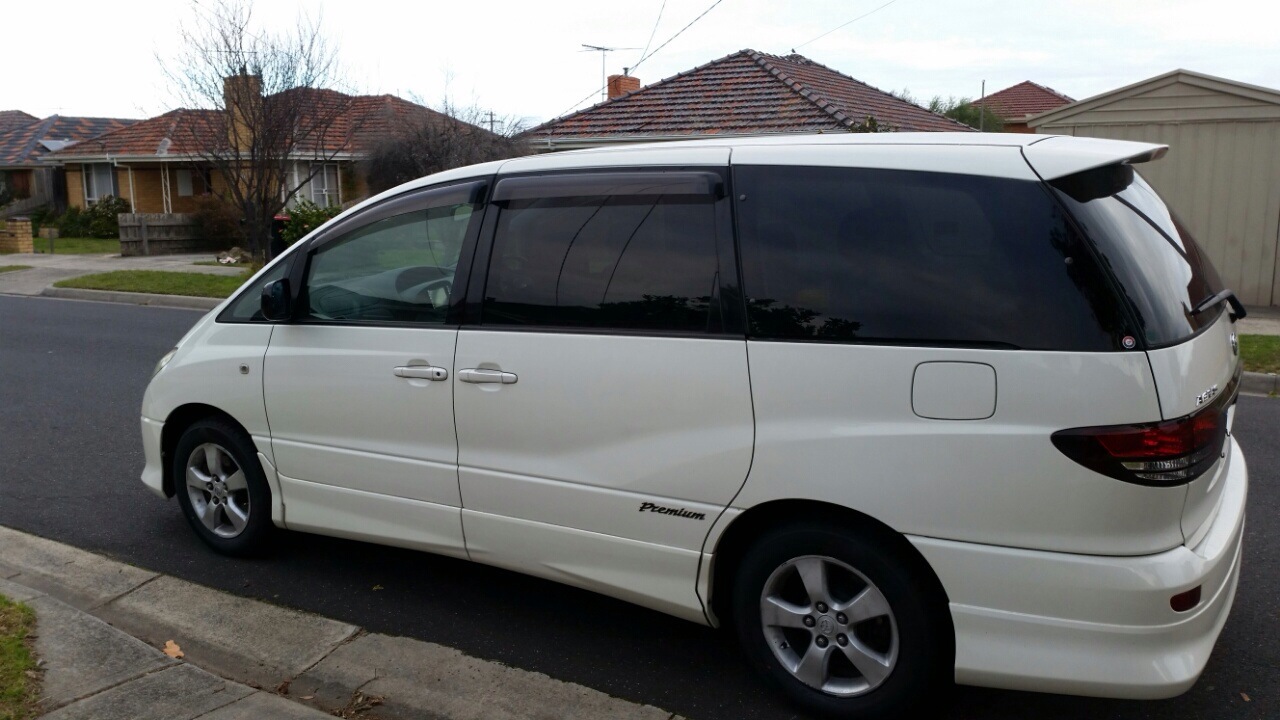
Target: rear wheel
(841, 622)
(221, 488)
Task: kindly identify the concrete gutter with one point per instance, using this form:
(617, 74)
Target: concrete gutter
(101, 624)
(173, 301)
(1255, 383)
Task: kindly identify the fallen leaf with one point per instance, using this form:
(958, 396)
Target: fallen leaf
(377, 588)
(32, 674)
(1245, 696)
(307, 697)
(172, 650)
(283, 688)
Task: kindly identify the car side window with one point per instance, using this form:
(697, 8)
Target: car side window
(863, 255)
(634, 260)
(397, 269)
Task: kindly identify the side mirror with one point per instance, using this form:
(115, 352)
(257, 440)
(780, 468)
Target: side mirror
(276, 300)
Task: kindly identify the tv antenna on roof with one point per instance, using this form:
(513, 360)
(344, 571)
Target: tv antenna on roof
(604, 54)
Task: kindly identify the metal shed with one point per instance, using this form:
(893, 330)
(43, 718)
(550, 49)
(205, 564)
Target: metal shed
(1222, 172)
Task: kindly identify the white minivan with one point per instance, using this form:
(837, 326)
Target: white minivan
(897, 409)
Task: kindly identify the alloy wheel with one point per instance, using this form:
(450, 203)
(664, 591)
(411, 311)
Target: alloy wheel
(218, 490)
(829, 626)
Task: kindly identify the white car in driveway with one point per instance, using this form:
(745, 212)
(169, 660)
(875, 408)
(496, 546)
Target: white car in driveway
(898, 409)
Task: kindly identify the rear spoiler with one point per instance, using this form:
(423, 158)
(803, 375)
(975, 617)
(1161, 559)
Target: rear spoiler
(1059, 156)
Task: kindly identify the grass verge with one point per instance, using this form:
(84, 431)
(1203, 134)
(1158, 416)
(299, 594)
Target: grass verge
(1261, 353)
(160, 282)
(18, 677)
(13, 268)
(78, 246)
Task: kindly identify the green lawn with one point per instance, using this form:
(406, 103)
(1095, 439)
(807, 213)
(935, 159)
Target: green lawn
(162, 282)
(1261, 353)
(18, 691)
(79, 246)
(13, 268)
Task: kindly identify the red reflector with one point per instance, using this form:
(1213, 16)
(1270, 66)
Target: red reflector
(1184, 601)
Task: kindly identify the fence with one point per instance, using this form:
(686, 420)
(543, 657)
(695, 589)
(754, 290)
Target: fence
(162, 234)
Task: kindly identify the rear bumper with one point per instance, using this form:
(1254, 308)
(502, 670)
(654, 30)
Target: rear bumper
(1090, 625)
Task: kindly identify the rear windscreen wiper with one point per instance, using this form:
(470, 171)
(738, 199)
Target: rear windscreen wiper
(1237, 307)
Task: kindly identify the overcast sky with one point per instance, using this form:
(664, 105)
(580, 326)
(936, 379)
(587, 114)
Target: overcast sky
(524, 58)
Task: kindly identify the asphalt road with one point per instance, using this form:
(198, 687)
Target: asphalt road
(71, 381)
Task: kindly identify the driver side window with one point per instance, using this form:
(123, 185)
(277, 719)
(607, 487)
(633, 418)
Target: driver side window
(398, 269)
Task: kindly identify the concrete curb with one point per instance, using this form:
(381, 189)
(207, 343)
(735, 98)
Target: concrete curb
(173, 301)
(1255, 383)
(107, 620)
(94, 671)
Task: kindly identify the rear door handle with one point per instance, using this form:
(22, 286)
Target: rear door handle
(422, 372)
(484, 375)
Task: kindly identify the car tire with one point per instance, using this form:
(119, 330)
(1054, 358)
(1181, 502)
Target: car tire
(221, 487)
(845, 623)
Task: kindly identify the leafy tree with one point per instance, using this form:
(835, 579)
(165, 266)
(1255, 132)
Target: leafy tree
(963, 109)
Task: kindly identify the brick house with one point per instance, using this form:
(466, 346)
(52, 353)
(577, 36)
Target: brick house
(157, 163)
(745, 93)
(1016, 103)
(24, 145)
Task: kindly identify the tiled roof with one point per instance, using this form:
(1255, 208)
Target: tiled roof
(363, 118)
(173, 133)
(747, 92)
(1025, 98)
(26, 145)
(10, 119)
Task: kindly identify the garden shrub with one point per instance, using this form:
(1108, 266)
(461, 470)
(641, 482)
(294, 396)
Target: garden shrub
(220, 221)
(305, 217)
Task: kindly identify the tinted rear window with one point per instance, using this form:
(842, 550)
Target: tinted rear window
(843, 254)
(1157, 263)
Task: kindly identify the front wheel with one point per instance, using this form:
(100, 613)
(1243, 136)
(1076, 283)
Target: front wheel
(221, 487)
(842, 622)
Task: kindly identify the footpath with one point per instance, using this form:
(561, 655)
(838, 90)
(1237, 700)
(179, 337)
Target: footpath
(103, 629)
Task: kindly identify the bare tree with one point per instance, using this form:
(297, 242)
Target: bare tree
(272, 93)
(421, 143)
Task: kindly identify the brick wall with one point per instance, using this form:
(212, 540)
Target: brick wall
(16, 236)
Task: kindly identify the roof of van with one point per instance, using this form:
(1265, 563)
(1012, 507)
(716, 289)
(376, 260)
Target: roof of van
(1051, 156)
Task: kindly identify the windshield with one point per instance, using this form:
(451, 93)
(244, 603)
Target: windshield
(1160, 268)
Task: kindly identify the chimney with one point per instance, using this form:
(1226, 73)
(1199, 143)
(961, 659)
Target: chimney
(241, 97)
(620, 85)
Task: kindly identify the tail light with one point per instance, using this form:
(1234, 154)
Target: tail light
(1161, 454)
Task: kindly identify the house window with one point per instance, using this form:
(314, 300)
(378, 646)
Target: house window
(326, 187)
(185, 184)
(99, 182)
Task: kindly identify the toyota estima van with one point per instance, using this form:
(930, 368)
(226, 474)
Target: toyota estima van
(898, 410)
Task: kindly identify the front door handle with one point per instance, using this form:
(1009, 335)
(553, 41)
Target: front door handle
(422, 372)
(484, 375)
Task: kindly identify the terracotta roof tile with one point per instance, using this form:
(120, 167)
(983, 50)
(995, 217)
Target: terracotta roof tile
(24, 145)
(1026, 98)
(10, 119)
(361, 119)
(747, 92)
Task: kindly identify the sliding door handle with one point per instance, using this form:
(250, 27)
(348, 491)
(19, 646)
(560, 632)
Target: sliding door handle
(422, 372)
(485, 375)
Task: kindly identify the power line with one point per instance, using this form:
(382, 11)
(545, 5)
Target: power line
(655, 29)
(686, 27)
(844, 25)
(645, 57)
